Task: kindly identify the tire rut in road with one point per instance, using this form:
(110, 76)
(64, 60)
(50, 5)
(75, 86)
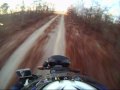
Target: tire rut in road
(11, 44)
(37, 51)
(17, 57)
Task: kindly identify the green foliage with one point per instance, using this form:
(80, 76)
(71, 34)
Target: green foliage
(4, 7)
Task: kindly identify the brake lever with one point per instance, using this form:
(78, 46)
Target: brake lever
(75, 71)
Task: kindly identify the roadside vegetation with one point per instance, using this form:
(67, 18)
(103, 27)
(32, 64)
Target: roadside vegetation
(14, 21)
(97, 19)
(93, 43)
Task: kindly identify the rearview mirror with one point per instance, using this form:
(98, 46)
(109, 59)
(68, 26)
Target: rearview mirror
(23, 73)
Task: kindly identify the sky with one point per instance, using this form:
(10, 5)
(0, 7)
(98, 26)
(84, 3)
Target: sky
(114, 6)
(62, 5)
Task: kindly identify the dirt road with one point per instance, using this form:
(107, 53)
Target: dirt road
(87, 52)
(22, 56)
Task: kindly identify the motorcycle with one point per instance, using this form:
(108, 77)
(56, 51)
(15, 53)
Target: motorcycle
(60, 76)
